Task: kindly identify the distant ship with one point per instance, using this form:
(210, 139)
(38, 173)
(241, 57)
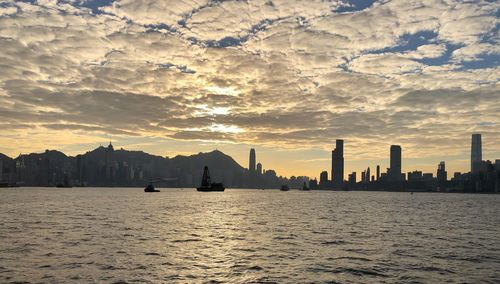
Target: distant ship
(207, 185)
(284, 188)
(150, 188)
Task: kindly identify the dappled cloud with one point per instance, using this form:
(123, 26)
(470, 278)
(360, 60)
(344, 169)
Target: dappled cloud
(273, 73)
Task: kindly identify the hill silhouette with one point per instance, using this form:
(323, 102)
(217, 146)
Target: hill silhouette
(105, 166)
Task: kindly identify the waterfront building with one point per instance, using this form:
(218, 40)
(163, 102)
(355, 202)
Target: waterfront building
(442, 175)
(323, 178)
(251, 163)
(338, 163)
(476, 155)
(394, 173)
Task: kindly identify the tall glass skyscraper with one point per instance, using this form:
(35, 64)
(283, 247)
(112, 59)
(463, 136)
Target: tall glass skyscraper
(441, 174)
(395, 169)
(338, 163)
(259, 168)
(476, 153)
(251, 163)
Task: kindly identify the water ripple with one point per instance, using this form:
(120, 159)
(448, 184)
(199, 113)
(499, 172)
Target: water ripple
(122, 235)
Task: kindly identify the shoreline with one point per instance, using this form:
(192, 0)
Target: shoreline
(257, 189)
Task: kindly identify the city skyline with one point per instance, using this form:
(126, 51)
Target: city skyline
(394, 156)
(284, 77)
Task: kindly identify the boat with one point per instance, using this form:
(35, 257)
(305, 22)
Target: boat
(150, 188)
(207, 185)
(284, 188)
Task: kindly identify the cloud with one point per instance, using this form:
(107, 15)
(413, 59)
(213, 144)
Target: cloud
(6, 11)
(474, 52)
(291, 74)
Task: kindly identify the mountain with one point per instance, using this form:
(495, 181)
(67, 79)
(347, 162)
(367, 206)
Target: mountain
(6, 163)
(215, 160)
(223, 168)
(105, 166)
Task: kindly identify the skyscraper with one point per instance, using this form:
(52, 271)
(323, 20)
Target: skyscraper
(338, 163)
(442, 175)
(323, 178)
(368, 175)
(259, 168)
(352, 178)
(378, 172)
(251, 164)
(476, 153)
(395, 169)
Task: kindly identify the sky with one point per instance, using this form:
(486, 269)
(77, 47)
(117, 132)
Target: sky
(282, 76)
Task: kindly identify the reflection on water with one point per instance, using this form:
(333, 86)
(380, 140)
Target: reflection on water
(126, 235)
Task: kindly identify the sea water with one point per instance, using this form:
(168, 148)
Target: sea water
(123, 235)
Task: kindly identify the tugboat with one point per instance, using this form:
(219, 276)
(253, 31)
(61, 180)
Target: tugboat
(207, 185)
(284, 188)
(150, 188)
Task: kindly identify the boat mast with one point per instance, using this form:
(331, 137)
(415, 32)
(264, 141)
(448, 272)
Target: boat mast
(205, 181)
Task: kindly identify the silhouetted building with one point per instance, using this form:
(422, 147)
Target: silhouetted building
(394, 173)
(486, 179)
(442, 175)
(110, 165)
(457, 176)
(259, 168)
(313, 184)
(338, 163)
(323, 179)
(368, 174)
(79, 170)
(427, 177)
(414, 176)
(476, 154)
(378, 172)
(1, 170)
(251, 163)
(352, 178)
